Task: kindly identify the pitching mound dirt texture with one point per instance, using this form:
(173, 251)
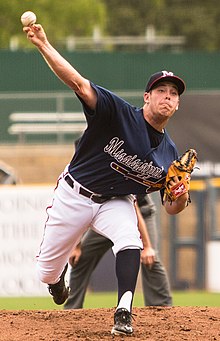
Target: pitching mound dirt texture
(168, 324)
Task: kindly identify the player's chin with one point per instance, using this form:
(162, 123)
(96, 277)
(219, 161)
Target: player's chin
(166, 113)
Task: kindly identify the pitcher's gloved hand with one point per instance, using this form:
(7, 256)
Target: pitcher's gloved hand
(179, 175)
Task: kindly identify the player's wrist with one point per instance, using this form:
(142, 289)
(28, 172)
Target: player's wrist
(43, 45)
(183, 199)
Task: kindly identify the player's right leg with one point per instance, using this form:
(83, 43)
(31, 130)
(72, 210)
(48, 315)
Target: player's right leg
(68, 218)
(59, 291)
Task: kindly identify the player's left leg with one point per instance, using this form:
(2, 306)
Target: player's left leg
(127, 267)
(117, 220)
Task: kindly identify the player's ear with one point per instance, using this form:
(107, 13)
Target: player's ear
(146, 97)
(177, 107)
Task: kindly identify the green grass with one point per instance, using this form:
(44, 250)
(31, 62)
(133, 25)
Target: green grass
(108, 300)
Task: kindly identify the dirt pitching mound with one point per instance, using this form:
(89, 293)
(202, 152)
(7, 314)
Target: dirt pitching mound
(168, 324)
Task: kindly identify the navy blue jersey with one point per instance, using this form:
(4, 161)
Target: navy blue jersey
(114, 155)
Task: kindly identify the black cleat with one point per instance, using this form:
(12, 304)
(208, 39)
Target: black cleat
(122, 322)
(58, 290)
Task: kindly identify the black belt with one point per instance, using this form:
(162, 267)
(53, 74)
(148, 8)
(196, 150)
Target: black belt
(97, 198)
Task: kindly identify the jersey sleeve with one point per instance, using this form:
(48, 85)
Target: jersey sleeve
(108, 103)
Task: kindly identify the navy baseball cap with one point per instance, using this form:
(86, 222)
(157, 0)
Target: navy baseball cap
(163, 76)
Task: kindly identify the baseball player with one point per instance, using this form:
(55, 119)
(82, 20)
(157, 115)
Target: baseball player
(87, 254)
(123, 152)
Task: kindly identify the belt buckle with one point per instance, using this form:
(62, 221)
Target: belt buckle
(95, 197)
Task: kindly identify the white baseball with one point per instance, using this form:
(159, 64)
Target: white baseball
(28, 18)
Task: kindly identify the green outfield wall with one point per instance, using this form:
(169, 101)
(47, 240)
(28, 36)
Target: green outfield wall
(27, 71)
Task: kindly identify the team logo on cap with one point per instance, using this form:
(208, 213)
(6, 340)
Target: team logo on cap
(166, 73)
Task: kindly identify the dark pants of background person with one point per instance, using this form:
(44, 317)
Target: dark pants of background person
(155, 283)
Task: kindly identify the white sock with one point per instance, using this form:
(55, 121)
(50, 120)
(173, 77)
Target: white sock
(125, 301)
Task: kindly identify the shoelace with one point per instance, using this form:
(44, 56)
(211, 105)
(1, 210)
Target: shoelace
(126, 316)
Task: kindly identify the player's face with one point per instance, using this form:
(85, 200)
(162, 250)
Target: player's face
(163, 99)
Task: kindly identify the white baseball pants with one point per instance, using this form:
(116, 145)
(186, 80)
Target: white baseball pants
(70, 215)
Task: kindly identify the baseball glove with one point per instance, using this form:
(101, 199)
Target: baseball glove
(182, 168)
